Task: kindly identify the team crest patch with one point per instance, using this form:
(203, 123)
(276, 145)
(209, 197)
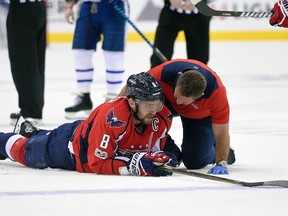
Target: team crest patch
(113, 120)
(101, 154)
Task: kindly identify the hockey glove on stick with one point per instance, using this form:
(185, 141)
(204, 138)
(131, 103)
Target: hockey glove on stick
(280, 14)
(146, 164)
(220, 168)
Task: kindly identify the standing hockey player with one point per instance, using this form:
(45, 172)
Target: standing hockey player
(122, 136)
(195, 92)
(97, 18)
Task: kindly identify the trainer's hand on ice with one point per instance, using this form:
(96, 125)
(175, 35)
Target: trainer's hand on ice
(146, 164)
(280, 14)
(220, 168)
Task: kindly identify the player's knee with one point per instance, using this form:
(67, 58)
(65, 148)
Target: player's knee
(83, 57)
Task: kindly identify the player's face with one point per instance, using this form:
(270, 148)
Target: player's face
(182, 100)
(148, 109)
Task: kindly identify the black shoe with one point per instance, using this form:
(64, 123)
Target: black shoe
(231, 157)
(25, 127)
(81, 109)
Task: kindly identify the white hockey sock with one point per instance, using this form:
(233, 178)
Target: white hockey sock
(84, 69)
(114, 70)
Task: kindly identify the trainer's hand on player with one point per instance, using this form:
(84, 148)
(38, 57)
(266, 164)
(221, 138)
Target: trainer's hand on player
(220, 168)
(280, 14)
(146, 164)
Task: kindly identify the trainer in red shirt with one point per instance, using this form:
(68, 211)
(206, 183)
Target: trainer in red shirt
(196, 93)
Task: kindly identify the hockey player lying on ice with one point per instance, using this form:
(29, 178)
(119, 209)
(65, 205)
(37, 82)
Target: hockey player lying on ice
(122, 136)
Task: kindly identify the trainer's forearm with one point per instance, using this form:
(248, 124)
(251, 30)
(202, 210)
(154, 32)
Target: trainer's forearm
(222, 139)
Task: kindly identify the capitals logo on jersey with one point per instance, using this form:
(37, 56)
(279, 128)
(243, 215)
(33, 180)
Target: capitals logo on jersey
(113, 120)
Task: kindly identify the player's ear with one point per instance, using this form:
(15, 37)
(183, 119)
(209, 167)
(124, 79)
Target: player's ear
(132, 103)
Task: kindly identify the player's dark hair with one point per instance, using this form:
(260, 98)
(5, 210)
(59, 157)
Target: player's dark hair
(192, 84)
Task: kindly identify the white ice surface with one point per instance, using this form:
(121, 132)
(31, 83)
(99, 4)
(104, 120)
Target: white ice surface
(256, 77)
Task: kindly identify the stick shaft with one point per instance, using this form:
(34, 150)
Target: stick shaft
(275, 183)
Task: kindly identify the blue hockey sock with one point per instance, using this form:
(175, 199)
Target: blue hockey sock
(3, 140)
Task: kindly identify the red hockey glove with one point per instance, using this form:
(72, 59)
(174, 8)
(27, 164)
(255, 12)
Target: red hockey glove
(280, 16)
(146, 164)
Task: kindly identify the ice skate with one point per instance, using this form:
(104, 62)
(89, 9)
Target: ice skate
(81, 109)
(24, 127)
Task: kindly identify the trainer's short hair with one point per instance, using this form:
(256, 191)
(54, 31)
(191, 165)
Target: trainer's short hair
(192, 83)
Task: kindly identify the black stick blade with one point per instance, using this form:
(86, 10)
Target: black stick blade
(207, 11)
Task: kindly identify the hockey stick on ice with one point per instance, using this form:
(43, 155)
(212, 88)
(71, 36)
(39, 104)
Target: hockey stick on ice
(207, 11)
(276, 183)
(156, 51)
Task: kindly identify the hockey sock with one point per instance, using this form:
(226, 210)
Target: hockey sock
(84, 69)
(12, 146)
(6, 142)
(114, 70)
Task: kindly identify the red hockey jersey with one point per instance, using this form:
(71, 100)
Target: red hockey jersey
(104, 142)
